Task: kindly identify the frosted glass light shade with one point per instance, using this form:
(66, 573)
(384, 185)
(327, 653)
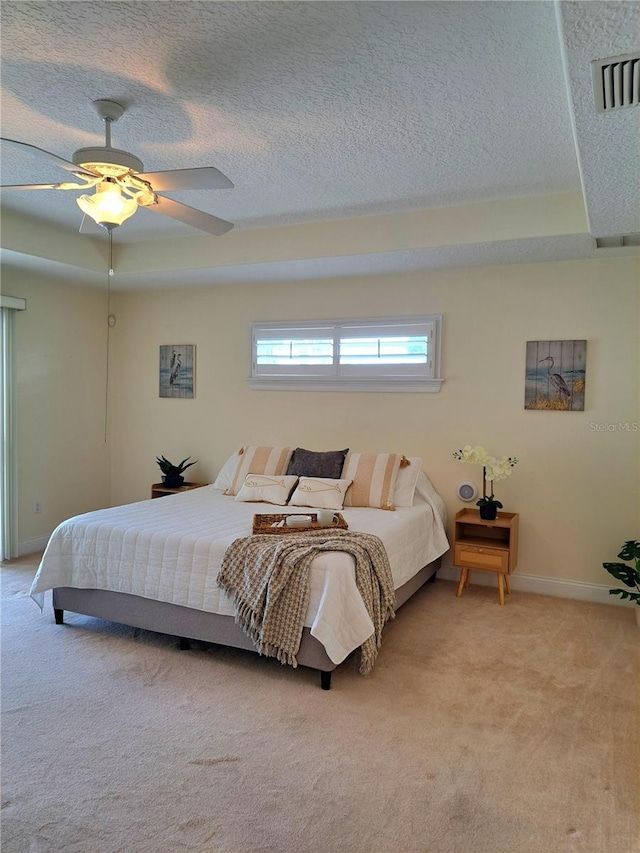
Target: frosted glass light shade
(107, 207)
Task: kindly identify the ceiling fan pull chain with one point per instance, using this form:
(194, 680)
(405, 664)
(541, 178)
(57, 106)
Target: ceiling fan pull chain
(109, 326)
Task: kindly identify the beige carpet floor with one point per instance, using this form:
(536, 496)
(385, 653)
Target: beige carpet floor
(481, 730)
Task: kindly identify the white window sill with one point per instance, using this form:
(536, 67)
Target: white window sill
(268, 383)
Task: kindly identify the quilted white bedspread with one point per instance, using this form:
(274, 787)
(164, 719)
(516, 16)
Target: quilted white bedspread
(171, 549)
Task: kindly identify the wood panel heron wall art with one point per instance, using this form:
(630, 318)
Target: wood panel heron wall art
(555, 375)
(177, 370)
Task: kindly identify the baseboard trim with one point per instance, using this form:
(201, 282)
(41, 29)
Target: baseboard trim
(32, 546)
(577, 590)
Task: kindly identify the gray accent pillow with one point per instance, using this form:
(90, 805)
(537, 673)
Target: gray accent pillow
(308, 463)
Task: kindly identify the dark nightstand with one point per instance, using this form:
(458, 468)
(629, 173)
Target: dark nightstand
(159, 490)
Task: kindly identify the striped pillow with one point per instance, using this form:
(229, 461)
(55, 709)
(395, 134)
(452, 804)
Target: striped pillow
(259, 460)
(374, 479)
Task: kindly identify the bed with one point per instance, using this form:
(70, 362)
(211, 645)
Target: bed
(153, 565)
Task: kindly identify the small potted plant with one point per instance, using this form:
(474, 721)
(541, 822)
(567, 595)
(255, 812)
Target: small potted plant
(492, 469)
(629, 575)
(172, 474)
(488, 507)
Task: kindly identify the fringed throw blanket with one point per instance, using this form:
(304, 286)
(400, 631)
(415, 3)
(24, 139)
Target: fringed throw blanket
(267, 578)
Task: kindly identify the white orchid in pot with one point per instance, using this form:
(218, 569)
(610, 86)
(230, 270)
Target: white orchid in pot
(493, 469)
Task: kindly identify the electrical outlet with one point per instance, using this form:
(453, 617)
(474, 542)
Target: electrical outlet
(37, 507)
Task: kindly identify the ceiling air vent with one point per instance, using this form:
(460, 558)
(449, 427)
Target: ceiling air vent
(618, 242)
(616, 82)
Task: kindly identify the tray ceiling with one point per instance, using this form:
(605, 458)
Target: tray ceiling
(360, 112)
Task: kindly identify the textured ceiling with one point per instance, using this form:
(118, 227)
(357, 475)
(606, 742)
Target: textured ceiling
(326, 110)
(608, 145)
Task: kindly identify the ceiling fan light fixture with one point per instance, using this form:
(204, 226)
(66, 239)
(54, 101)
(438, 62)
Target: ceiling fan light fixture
(110, 162)
(122, 185)
(107, 207)
(144, 198)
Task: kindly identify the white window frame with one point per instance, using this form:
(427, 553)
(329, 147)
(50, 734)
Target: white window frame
(8, 430)
(337, 377)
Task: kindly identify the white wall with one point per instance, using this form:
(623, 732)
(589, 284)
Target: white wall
(63, 460)
(576, 488)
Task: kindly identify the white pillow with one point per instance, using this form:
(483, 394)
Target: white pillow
(271, 489)
(320, 492)
(225, 476)
(425, 493)
(406, 482)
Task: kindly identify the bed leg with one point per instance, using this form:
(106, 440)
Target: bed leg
(59, 616)
(432, 579)
(325, 679)
(184, 644)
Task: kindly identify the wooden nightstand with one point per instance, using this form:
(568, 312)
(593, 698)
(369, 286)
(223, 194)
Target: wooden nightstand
(485, 546)
(159, 490)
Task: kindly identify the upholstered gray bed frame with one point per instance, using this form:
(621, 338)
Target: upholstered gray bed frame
(189, 624)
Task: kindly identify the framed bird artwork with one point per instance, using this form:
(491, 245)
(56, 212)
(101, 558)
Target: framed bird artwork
(177, 370)
(555, 376)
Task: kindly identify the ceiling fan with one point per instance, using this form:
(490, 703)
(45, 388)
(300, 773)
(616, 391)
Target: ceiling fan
(121, 186)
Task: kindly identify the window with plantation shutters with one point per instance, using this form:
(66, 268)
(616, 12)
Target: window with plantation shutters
(383, 354)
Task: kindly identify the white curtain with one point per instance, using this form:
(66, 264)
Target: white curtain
(8, 449)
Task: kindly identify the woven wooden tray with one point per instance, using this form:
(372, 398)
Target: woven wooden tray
(262, 523)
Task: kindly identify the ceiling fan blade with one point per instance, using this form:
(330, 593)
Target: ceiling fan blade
(196, 218)
(64, 164)
(30, 187)
(205, 178)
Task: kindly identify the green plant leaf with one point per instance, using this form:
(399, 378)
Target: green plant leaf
(165, 466)
(489, 501)
(627, 574)
(630, 551)
(621, 592)
(632, 596)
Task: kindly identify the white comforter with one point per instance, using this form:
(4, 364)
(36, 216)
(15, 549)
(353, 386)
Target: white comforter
(171, 549)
